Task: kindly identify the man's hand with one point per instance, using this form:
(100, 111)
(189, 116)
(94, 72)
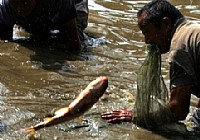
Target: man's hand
(116, 116)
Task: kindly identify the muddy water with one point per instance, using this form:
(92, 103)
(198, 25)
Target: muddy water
(40, 76)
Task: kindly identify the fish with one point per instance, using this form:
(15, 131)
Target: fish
(81, 104)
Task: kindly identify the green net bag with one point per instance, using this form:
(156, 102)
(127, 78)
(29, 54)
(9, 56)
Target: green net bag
(152, 93)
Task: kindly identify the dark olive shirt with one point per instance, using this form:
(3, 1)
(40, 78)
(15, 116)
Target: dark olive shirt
(47, 15)
(184, 55)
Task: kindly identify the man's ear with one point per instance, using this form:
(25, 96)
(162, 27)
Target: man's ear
(167, 23)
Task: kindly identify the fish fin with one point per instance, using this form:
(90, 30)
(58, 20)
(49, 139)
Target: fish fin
(40, 125)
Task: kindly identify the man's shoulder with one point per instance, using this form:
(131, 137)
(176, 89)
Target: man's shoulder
(189, 26)
(192, 25)
(190, 32)
(187, 31)
(184, 40)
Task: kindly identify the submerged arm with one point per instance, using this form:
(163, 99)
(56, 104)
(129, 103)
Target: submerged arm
(72, 35)
(179, 102)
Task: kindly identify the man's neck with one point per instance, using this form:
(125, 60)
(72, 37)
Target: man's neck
(177, 23)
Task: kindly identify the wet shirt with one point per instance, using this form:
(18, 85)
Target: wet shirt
(47, 15)
(184, 56)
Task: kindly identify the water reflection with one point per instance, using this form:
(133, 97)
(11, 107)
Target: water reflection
(42, 76)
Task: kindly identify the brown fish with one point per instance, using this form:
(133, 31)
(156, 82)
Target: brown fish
(84, 101)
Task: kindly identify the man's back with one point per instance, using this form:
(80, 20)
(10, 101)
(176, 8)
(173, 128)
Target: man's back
(46, 15)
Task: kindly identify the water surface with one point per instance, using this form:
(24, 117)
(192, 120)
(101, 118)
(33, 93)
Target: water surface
(39, 76)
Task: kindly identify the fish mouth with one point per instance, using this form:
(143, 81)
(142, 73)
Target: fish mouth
(103, 82)
(98, 82)
(103, 78)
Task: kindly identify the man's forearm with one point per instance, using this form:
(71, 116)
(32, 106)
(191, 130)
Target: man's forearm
(161, 117)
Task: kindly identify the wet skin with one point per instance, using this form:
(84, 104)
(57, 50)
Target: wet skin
(153, 34)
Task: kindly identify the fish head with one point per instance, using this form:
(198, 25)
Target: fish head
(100, 83)
(90, 95)
(98, 86)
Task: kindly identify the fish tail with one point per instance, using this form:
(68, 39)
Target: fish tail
(47, 121)
(29, 130)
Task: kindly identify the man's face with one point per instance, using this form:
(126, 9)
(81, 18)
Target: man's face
(154, 35)
(23, 7)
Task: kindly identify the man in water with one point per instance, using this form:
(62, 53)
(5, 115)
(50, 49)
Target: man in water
(39, 17)
(163, 24)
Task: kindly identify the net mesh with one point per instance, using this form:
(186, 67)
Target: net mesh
(152, 93)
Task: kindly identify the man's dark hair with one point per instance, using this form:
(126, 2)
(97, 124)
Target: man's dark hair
(157, 9)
